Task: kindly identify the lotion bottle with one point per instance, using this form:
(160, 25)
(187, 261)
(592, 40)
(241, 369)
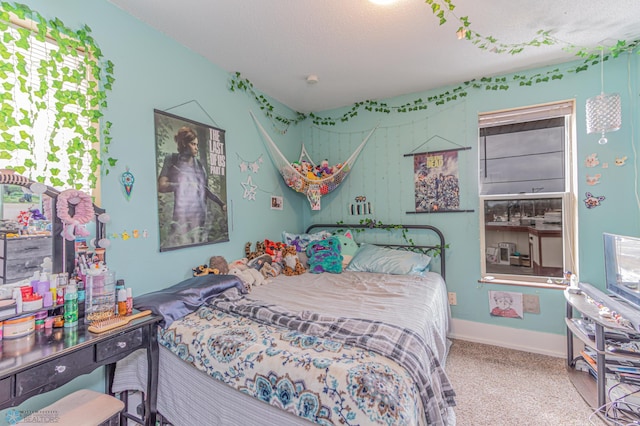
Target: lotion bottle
(122, 302)
(71, 306)
(129, 301)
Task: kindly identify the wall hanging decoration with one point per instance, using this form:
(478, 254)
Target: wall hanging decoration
(192, 182)
(506, 304)
(604, 112)
(249, 189)
(593, 180)
(360, 207)
(83, 213)
(245, 165)
(619, 161)
(592, 201)
(307, 177)
(591, 160)
(437, 185)
(277, 202)
(127, 180)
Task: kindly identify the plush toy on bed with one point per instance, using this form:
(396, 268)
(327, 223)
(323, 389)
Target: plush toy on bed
(292, 265)
(219, 263)
(274, 249)
(324, 256)
(348, 247)
(253, 254)
(201, 270)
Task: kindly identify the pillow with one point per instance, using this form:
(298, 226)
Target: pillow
(348, 247)
(371, 258)
(185, 297)
(324, 256)
(301, 241)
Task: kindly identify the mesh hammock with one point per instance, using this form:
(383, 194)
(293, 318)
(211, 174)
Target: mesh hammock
(314, 188)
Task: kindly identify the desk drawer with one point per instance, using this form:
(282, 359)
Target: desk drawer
(56, 372)
(121, 344)
(5, 390)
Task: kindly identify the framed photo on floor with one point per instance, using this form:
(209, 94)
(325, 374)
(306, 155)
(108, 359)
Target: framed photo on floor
(191, 182)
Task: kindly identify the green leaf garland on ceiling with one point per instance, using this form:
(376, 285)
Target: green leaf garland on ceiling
(441, 9)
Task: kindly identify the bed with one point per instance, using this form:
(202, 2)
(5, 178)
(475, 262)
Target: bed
(356, 347)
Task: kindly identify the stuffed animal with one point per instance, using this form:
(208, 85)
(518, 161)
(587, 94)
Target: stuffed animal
(325, 169)
(253, 254)
(292, 265)
(201, 270)
(245, 276)
(239, 263)
(348, 247)
(219, 263)
(257, 263)
(274, 249)
(324, 256)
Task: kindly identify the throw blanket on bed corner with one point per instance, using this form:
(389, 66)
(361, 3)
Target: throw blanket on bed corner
(399, 344)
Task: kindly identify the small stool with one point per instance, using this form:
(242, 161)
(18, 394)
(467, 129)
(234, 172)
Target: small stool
(81, 408)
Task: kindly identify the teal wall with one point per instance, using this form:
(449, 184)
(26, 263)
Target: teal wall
(153, 71)
(385, 177)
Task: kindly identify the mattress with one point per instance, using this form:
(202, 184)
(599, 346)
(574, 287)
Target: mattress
(418, 304)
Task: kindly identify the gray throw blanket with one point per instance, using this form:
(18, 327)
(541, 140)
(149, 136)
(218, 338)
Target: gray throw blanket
(399, 344)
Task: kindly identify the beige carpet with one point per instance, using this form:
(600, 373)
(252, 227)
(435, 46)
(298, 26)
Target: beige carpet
(497, 386)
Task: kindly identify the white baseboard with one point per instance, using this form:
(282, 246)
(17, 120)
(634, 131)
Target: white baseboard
(507, 337)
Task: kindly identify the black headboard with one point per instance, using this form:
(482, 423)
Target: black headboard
(404, 229)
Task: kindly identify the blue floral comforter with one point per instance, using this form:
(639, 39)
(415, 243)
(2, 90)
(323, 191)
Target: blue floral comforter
(327, 370)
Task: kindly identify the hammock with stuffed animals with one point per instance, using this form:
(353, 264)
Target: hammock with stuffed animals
(307, 177)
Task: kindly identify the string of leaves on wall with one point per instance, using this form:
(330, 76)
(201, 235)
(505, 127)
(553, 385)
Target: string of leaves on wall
(443, 9)
(52, 79)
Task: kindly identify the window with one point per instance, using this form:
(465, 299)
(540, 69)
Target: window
(50, 103)
(526, 193)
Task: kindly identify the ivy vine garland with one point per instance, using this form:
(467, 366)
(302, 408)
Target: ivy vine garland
(14, 75)
(442, 8)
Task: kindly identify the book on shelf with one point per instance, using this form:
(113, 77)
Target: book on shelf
(629, 378)
(613, 368)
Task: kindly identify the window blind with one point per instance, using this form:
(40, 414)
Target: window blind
(528, 114)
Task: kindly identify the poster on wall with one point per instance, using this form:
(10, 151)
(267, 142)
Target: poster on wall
(437, 187)
(192, 182)
(506, 304)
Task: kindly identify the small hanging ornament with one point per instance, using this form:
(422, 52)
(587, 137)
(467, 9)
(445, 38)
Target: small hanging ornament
(249, 189)
(127, 181)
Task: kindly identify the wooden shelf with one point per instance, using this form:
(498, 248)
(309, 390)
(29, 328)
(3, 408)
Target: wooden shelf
(585, 384)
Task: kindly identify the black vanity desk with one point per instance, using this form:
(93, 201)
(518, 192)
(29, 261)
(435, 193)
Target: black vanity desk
(49, 358)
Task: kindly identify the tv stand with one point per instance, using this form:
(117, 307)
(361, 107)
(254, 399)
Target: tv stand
(592, 391)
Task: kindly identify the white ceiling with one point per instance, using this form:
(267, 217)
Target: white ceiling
(362, 51)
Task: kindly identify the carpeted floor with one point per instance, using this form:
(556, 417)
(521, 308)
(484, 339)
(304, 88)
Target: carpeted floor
(497, 386)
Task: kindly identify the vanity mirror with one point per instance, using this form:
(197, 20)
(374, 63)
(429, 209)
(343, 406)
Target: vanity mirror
(27, 238)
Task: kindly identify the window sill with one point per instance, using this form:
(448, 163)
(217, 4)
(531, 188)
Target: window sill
(551, 286)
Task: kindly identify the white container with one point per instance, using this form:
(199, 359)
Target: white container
(19, 327)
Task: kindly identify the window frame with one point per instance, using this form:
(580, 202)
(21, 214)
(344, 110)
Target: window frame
(568, 196)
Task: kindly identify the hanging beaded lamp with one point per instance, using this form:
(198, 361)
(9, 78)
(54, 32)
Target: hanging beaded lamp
(603, 111)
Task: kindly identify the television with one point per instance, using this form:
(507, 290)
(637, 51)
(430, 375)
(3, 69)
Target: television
(622, 267)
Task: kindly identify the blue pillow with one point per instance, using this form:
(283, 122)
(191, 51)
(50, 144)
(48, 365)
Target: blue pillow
(371, 258)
